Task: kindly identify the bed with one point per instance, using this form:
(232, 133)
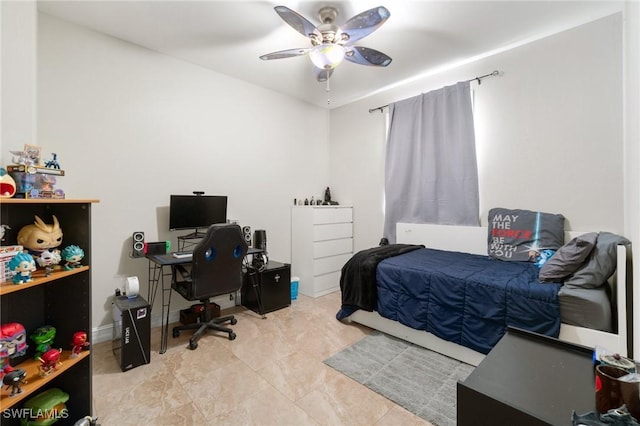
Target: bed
(586, 317)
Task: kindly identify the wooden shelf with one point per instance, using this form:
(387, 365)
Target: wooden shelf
(38, 279)
(45, 201)
(35, 381)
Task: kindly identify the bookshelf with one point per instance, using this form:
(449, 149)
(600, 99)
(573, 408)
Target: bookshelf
(61, 299)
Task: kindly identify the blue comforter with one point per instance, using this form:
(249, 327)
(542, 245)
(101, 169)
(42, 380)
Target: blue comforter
(465, 298)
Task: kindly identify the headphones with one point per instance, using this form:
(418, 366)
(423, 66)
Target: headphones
(259, 262)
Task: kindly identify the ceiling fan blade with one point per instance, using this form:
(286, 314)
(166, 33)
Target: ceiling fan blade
(289, 53)
(366, 56)
(298, 22)
(364, 24)
(323, 75)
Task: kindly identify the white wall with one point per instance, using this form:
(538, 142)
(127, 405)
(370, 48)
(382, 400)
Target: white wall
(132, 126)
(548, 132)
(18, 83)
(632, 144)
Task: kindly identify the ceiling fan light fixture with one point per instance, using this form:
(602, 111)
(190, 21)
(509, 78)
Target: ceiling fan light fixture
(327, 56)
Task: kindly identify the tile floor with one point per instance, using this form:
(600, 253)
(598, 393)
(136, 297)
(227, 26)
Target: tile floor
(271, 374)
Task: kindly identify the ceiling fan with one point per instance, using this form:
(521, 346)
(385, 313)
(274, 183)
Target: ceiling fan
(332, 43)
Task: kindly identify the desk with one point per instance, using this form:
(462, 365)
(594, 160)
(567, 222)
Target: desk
(157, 275)
(528, 379)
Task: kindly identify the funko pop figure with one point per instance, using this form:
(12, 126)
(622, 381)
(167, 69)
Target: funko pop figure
(79, 342)
(43, 338)
(49, 362)
(14, 379)
(40, 236)
(73, 255)
(22, 265)
(48, 259)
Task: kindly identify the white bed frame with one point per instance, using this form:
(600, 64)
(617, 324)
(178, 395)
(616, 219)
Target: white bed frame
(473, 239)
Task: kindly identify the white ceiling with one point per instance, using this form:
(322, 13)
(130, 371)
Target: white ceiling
(420, 36)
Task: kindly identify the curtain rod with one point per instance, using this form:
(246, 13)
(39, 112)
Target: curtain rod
(495, 73)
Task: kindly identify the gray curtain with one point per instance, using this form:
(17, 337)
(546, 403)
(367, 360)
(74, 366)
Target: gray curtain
(431, 173)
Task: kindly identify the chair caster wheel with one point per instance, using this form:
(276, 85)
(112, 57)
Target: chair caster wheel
(232, 336)
(193, 346)
(234, 321)
(176, 333)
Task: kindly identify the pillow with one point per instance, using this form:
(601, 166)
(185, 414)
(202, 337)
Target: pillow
(519, 235)
(568, 258)
(601, 263)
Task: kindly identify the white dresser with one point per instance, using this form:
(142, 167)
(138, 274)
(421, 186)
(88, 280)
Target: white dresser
(321, 243)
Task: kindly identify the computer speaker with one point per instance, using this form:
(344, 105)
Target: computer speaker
(137, 248)
(260, 240)
(246, 232)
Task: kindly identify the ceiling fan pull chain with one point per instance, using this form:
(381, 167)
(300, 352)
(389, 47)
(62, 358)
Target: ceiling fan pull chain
(328, 89)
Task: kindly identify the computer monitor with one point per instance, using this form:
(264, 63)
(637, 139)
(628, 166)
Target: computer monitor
(196, 211)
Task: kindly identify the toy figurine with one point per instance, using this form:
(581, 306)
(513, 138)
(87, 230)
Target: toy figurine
(46, 408)
(40, 236)
(87, 421)
(21, 157)
(49, 361)
(47, 182)
(7, 184)
(79, 342)
(22, 265)
(53, 163)
(3, 230)
(43, 338)
(327, 196)
(14, 379)
(48, 259)
(73, 255)
(13, 340)
(13, 344)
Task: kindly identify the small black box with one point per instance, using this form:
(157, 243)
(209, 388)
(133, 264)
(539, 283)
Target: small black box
(274, 284)
(131, 332)
(195, 313)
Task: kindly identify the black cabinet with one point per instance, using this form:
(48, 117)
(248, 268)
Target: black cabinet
(273, 284)
(528, 379)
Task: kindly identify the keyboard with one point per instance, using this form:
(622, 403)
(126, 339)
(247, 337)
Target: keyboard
(182, 254)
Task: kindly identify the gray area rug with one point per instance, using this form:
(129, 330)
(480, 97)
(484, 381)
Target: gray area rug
(420, 380)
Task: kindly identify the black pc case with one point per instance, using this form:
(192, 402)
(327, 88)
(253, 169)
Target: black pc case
(131, 332)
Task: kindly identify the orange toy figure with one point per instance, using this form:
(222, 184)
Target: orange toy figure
(40, 236)
(79, 342)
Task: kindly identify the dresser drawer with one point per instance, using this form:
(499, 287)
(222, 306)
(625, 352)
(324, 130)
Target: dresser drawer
(323, 215)
(330, 264)
(327, 281)
(332, 247)
(332, 231)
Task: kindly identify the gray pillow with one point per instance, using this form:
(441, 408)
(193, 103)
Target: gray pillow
(601, 263)
(520, 235)
(568, 258)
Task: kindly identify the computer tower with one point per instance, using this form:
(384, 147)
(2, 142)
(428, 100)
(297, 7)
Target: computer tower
(131, 332)
(273, 284)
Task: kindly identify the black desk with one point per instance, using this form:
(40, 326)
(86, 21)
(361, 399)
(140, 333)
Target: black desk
(157, 274)
(528, 379)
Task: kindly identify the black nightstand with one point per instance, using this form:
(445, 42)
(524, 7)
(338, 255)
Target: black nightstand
(528, 379)
(274, 284)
